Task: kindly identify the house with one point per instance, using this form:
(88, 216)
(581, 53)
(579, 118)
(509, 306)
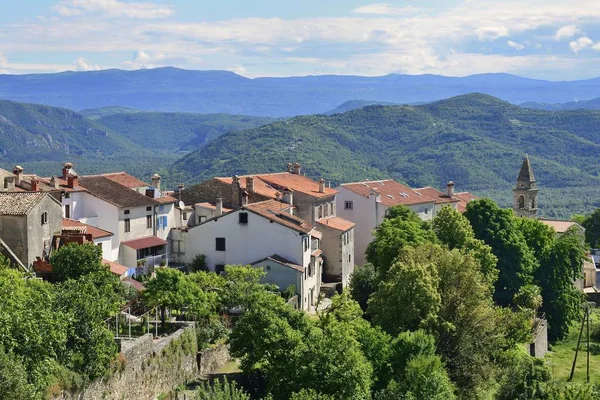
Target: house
(561, 226)
(312, 201)
(366, 204)
(72, 230)
(28, 222)
(266, 235)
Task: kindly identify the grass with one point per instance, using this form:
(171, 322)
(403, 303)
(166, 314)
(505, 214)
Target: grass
(232, 367)
(560, 359)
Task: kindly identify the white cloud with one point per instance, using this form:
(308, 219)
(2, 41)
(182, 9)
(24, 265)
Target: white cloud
(113, 8)
(82, 65)
(386, 9)
(566, 32)
(515, 45)
(140, 60)
(580, 44)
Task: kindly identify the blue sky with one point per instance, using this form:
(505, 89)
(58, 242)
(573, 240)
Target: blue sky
(548, 39)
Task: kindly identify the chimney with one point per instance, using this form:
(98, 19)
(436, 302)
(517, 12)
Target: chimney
(244, 198)
(219, 206)
(250, 184)
(73, 181)
(329, 184)
(236, 180)
(296, 169)
(18, 170)
(288, 197)
(9, 184)
(321, 185)
(450, 191)
(67, 169)
(34, 184)
(375, 192)
(180, 190)
(156, 181)
(289, 167)
(54, 183)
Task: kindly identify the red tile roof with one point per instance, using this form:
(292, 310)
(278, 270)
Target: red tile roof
(278, 212)
(212, 206)
(270, 184)
(139, 286)
(144, 243)
(166, 200)
(261, 187)
(96, 233)
(559, 226)
(337, 223)
(123, 178)
(464, 197)
(281, 261)
(392, 193)
(436, 195)
(115, 193)
(115, 268)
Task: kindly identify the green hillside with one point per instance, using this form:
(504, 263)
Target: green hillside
(95, 113)
(475, 140)
(177, 131)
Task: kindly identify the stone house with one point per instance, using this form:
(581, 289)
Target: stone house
(28, 222)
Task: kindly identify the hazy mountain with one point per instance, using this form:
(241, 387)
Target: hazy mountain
(593, 104)
(475, 140)
(95, 113)
(176, 90)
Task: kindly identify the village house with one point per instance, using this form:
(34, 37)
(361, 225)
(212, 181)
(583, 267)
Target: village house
(267, 235)
(28, 222)
(312, 201)
(366, 204)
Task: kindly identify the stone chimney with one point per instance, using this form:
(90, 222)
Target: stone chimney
(155, 181)
(288, 197)
(450, 189)
(219, 206)
(244, 198)
(73, 181)
(250, 184)
(180, 188)
(35, 183)
(375, 192)
(321, 185)
(54, 183)
(329, 184)
(296, 168)
(289, 167)
(67, 169)
(9, 184)
(18, 171)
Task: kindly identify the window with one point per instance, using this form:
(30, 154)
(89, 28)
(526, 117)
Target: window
(320, 212)
(201, 219)
(126, 212)
(220, 244)
(44, 218)
(243, 218)
(348, 205)
(67, 211)
(161, 208)
(185, 216)
(219, 269)
(67, 195)
(268, 267)
(127, 225)
(148, 208)
(305, 243)
(148, 221)
(521, 201)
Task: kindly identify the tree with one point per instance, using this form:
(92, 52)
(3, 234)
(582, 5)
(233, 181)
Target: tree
(74, 260)
(221, 391)
(524, 377)
(559, 268)
(243, 286)
(400, 228)
(426, 378)
(408, 345)
(310, 394)
(592, 229)
(362, 284)
(498, 229)
(13, 378)
(408, 297)
(529, 297)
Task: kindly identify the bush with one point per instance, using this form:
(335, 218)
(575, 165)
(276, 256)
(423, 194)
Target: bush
(197, 264)
(289, 292)
(221, 391)
(210, 330)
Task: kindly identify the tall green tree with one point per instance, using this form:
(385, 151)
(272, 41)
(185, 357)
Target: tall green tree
(498, 229)
(592, 229)
(362, 284)
(74, 260)
(400, 228)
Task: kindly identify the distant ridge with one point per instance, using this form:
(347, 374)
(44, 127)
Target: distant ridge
(171, 89)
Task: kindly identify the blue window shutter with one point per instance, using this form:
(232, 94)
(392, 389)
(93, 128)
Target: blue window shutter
(159, 223)
(166, 221)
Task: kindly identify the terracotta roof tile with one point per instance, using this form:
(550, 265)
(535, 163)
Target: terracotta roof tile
(464, 197)
(139, 286)
(19, 203)
(144, 243)
(122, 178)
(278, 212)
(115, 193)
(166, 200)
(96, 233)
(212, 206)
(261, 187)
(281, 261)
(297, 183)
(436, 195)
(115, 268)
(337, 223)
(392, 193)
(559, 226)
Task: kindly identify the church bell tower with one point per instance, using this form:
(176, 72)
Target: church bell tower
(526, 191)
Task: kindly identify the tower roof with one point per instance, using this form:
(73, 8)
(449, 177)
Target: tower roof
(526, 172)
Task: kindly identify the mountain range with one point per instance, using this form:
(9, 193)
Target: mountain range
(176, 90)
(476, 140)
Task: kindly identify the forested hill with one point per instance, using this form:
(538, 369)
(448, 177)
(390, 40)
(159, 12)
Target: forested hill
(176, 90)
(475, 140)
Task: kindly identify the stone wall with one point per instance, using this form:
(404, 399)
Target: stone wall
(539, 345)
(151, 367)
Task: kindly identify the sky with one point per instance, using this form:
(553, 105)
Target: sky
(545, 39)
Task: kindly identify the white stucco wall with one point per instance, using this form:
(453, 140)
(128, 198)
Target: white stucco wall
(108, 252)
